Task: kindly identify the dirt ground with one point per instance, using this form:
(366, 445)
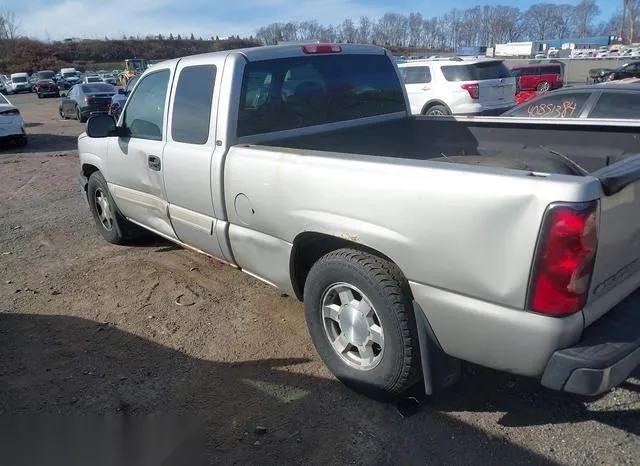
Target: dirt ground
(95, 329)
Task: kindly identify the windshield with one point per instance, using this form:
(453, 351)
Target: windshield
(290, 93)
(476, 71)
(98, 88)
(20, 79)
(132, 83)
(46, 74)
(68, 75)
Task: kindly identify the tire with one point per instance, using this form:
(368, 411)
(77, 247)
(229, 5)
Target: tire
(543, 86)
(437, 110)
(79, 115)
(393, 357)
(39, 96)
(110, 222)
(62, 114)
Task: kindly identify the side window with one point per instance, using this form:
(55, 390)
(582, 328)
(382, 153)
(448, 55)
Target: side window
(415, 74)
(192, 104)
(144, 113)
(565, 105)
(623, 105)
(531, 71)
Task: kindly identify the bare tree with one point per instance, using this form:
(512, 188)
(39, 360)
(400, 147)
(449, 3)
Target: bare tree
(541, 19)
(9, 25)
(584, 13)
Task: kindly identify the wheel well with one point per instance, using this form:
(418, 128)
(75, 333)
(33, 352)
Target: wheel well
(88, 170)
(433, 103)
(308, 247)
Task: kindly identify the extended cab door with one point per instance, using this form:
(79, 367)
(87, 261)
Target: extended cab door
(191, 177)
(417, 81)
(135, 165)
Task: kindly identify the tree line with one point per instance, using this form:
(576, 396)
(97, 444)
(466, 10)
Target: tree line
(478, 26)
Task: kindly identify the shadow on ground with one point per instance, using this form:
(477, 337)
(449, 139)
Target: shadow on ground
(42, 142)
(66, 365)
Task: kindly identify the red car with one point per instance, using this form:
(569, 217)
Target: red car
(45, 87)
(539, 77)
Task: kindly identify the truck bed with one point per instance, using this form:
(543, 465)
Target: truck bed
(528, 145)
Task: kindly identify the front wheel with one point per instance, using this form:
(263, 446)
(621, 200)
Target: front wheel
(543, 87)
(110, 222)
(360, 316)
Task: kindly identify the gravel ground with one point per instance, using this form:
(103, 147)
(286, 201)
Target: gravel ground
(90, 328)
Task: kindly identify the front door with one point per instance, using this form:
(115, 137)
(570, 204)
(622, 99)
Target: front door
(135, 160)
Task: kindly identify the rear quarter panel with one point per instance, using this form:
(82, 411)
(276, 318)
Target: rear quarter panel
(468, 229)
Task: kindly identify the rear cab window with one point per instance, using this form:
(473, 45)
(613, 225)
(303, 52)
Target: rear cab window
(298, 92)
(476, 71)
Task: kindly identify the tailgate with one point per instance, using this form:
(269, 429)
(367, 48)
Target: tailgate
(618, 256)
(497, 91)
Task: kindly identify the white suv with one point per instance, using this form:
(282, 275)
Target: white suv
(458, 86)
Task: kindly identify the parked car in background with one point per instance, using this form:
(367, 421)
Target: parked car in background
(18, 82)
(119, 99)
(607, 101)
(84, 100)
(628, 70)
(538, 77)
(46, 88)
(46, 74)
(108, 78)
(88, 79)
(3, 85)
(70, 75)
(11, 123)
(457, 86)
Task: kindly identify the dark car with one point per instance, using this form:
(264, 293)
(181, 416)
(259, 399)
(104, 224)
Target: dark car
(118, 100)
(628, 70)
(46, 87)
(614, 101)
(84, 100)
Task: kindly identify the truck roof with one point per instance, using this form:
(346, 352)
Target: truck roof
(280, 51)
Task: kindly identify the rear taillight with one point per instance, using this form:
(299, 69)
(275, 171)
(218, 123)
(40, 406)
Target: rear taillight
(321, 48)
(564, 258)
(89, 100)
(473, 89)
(10, 112)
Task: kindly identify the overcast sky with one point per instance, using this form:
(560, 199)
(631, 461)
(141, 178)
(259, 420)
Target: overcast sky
(57, 19)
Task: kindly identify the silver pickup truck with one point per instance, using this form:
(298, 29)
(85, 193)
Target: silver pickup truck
(415, 243)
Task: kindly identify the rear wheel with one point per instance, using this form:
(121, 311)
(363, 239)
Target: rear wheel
(544, 86)
(360, 316)
(437, 110)
(79, 115)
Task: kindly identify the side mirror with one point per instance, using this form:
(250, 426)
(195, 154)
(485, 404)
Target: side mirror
(101, 126)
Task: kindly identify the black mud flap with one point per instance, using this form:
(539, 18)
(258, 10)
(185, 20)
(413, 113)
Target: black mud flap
(439, 370)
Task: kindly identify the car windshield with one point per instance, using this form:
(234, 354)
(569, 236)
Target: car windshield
(46, 74)
(476, 71)
(288, 93)
(132, 83)
(68, 75)
(98, 88)
(20, 79)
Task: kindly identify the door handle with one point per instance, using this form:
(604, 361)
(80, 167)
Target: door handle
(426, 88)
(154, 163)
